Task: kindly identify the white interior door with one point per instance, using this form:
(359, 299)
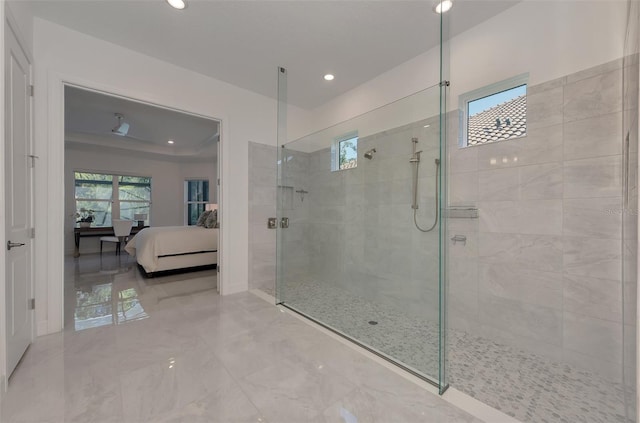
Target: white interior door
(18, 176)
(217, 199)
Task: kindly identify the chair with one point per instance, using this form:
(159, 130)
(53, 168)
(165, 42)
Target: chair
(121, 230)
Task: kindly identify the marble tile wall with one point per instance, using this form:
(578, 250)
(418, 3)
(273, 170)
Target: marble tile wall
(542, 267)
(262, 205)
(296, 206)
(361, 232)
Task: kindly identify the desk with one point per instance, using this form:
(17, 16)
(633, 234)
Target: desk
(79, 232)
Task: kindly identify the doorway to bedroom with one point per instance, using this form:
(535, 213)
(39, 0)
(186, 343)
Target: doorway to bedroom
(141, 208)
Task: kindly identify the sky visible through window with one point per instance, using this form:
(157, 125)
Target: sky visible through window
(485, 103)
(348, 150)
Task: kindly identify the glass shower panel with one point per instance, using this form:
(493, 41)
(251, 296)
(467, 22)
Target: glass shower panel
(351, 200)
(630, 77)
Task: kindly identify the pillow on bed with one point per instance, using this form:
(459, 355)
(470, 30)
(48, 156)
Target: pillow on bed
(212, 220)
(203, 217)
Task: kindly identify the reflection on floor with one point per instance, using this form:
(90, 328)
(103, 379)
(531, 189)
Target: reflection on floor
(107, 289)
(526, 386)
(170, 349)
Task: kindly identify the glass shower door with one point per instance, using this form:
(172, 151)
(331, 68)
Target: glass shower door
(359, 230)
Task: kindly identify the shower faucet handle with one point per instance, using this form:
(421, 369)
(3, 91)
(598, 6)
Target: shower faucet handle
(459, 238)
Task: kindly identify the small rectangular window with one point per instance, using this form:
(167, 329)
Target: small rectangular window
(494, 113)
(345, 152)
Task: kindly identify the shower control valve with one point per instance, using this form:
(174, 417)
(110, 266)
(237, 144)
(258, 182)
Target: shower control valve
(459, 238)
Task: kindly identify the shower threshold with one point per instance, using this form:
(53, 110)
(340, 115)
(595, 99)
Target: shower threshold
(395, 362)
(519, 383)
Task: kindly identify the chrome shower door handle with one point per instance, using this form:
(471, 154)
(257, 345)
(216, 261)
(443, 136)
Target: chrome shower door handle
(11, 245)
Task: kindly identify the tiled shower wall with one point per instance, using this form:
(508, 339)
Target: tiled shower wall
(295, 196)
(263, 197)
(262, 205)
(541, 269)
(361, 233)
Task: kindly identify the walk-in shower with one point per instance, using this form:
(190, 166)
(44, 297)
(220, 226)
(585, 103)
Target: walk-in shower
(519, 287)
(351, 258)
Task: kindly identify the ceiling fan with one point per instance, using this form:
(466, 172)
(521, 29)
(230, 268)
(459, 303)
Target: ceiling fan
(122, 128)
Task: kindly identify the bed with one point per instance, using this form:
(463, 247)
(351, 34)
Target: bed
(163, 248)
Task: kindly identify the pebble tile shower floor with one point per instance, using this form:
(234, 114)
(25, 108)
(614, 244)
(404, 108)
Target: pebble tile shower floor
(526, 386)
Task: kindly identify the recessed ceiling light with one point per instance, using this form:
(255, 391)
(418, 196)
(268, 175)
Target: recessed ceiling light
(328, 77)
(177, 4)
(170, 142)
(426, 126)
(443, 7)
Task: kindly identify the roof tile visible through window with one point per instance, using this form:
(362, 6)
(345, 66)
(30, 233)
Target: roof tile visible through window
(349, 165)
(484, 128)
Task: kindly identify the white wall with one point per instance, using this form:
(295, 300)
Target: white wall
(167, 187)
(21, 15)
(65, 55)
(564, 36)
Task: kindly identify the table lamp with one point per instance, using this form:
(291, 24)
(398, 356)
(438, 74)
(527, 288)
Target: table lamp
(140, 217)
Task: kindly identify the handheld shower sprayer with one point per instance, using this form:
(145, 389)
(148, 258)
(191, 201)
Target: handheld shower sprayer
(415, 163)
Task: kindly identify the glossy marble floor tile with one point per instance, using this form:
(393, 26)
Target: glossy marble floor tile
(170, 349)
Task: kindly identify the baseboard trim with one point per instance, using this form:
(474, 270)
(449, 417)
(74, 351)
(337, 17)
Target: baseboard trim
(3, 390)
(42, 328)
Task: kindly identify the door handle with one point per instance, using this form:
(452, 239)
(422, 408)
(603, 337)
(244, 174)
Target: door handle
(11, 245)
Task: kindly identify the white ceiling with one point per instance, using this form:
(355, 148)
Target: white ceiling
(90, 117)
(243, 42)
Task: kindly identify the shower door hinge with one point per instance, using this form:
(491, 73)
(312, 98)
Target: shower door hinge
(31, 90)
(445, 83)
(32, 233)
(32, 304)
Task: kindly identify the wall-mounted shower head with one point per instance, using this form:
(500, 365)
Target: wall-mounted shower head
(369, 154)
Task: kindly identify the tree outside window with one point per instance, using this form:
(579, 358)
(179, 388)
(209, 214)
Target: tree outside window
(348, 153)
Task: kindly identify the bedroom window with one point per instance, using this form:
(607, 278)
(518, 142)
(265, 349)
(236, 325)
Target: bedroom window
(134, 195)
(112, 196)
(196, 193)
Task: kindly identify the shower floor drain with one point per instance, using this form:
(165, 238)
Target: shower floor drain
(373, 322)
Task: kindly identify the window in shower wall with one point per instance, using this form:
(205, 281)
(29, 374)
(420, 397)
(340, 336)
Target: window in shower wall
(494, 113)
(344, 152)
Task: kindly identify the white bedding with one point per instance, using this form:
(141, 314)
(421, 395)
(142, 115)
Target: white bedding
(151, 244)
